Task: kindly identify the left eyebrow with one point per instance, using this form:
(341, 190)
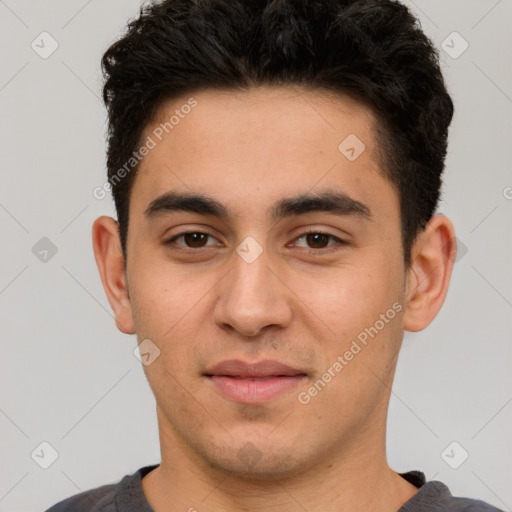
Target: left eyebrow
(335, 202)
(338, 203)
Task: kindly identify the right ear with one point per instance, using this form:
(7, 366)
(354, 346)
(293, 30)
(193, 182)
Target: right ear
(109, 258)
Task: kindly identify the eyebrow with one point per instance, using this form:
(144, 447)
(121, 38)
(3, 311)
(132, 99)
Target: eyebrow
(335, 202)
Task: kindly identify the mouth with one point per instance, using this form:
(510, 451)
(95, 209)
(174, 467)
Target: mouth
(253, 383)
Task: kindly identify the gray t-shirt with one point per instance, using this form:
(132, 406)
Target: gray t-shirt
(128, 496)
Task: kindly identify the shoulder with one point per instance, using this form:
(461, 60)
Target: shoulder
(124, 496)
(100, 499)
(470, 505)
(434, 496)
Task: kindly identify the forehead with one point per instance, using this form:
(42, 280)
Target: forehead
(268, 140)
(268, 110)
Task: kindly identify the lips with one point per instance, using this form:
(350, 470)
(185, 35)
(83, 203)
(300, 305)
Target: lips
(267, 368)
(253, 382)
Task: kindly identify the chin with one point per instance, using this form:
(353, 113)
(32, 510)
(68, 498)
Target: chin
(256, 461)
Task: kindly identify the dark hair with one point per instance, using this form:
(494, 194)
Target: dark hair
(372, 50)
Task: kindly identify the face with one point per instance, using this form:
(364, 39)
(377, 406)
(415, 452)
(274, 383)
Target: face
(275, 298)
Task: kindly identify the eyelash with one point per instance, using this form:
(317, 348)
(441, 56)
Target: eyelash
(323, 250)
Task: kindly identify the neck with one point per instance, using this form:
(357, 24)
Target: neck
(354, 477)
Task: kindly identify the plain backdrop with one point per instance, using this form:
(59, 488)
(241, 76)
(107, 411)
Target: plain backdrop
(70, 379)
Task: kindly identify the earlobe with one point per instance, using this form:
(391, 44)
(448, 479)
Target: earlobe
(433, 256)
(109, 258)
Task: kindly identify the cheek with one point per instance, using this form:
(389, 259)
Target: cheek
(364, 311)
(162, 296)
(349, 296)
(172, 311)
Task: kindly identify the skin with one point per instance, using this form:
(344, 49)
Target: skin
(300, 302)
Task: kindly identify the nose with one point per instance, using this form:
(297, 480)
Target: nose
(252, 297)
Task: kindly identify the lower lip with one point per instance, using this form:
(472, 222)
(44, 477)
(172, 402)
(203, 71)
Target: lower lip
(254, 391)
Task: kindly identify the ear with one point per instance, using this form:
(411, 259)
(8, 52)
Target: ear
(109, 258)
(432, 260)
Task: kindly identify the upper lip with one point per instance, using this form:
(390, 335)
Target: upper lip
(265, 368)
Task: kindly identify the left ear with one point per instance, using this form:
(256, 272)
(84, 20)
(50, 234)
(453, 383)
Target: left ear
(432, 259)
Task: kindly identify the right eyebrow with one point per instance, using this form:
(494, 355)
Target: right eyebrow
(195, 203)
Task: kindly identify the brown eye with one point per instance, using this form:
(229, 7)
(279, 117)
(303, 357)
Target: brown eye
(318, 243)
(317, 240)
(191, 240)
(195, 239)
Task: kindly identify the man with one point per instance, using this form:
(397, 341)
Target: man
(276, 166)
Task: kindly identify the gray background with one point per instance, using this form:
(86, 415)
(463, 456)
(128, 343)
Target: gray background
(69, 378)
